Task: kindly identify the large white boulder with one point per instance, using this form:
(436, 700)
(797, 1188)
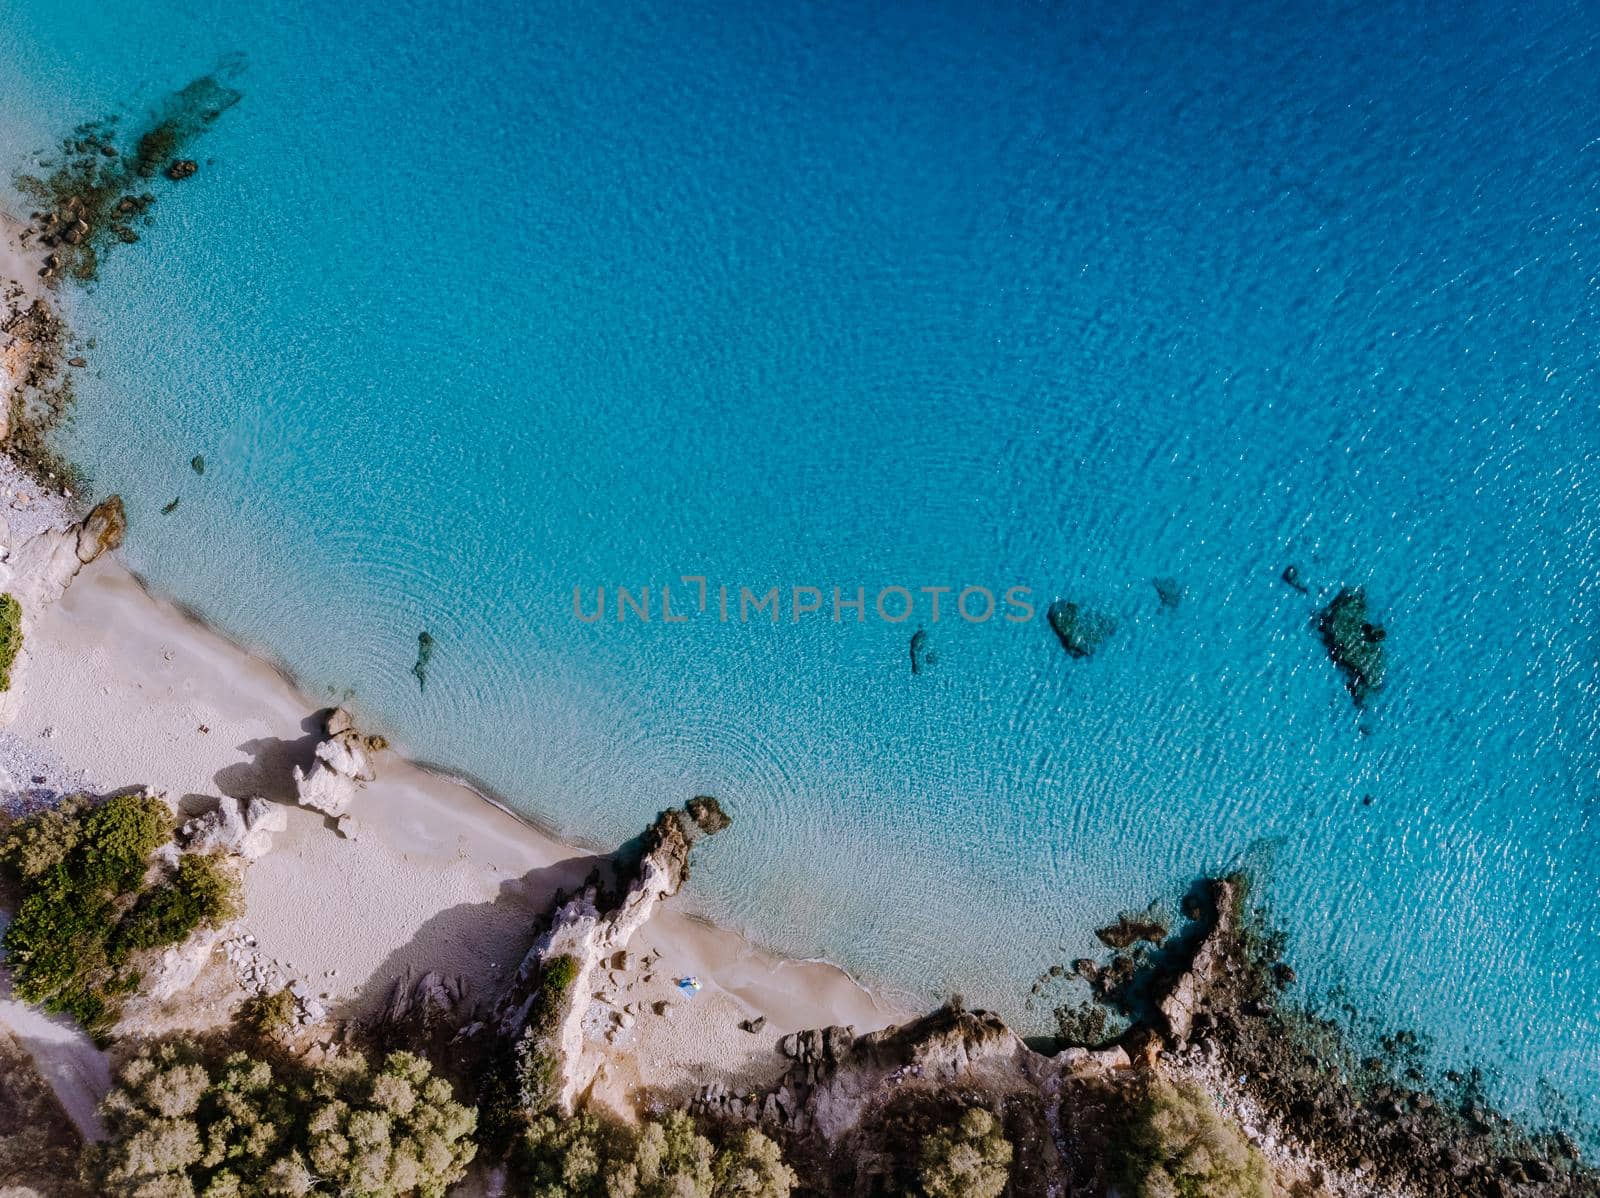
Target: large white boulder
(343, 765)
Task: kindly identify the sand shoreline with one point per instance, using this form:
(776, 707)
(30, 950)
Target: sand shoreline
(441, 876)
(126, 687)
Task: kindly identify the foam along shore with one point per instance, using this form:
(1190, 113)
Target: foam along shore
(128, 690)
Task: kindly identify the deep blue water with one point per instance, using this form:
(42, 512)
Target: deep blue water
(474, 303)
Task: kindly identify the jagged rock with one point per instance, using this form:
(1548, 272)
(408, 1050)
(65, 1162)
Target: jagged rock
(178, 967)
(1184, 996)
(590, 928)
(37, 572)
(182, 168)
(243, 827)
(1082, 631)
(430, 1001)
(42, 567)
(347, 827)
(836, 1076)
(343, 764)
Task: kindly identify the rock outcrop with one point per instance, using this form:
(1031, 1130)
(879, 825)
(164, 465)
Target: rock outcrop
(343, 765)
(1185, 995)
(838, 1081)
(547, 1019)
(37, 572)
(241, 827)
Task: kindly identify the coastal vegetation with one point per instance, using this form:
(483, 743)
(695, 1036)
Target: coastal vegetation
(588, 1156)
(183, 1126)
(1177, 1146)
(87, 905)
(970, 1159)
(10, 637)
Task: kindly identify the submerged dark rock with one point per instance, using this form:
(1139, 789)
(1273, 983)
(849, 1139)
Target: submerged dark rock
(84, 204)
(923, 657)
(1132, 927)
(173, 506)
(424, 656)
(197, 464)
(1169, 591)
(1291, 575)
(1081, 630)
(1354, 643)
(707, 814)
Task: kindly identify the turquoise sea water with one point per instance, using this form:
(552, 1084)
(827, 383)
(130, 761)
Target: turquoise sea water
(471, 304)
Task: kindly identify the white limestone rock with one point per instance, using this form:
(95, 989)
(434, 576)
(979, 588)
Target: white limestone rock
(40, 569)
(242, 827)
(343, 765)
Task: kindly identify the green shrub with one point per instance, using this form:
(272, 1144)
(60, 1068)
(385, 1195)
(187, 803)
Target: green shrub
(535, 1065)
(85, 908)
(180, 1125)
(270, 1016)
(201, 893)
(588, 1157)
(970, 1160)
(1177, 1146)
(10, 637)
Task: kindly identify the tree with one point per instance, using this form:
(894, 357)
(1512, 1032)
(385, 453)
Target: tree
(969, 1160)
(752, 1166)
(586, 1156)
(182, 1128)
(1177, 1146)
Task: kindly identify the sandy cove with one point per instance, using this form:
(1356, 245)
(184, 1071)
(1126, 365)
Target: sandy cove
(131, 691)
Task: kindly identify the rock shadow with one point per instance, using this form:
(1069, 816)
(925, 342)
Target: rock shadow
(270, 771)
(466, 939)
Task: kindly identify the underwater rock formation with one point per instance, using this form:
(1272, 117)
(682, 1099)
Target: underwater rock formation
(424, 656)
(1134, 926)
(88, 201)
(923, 656)
(1354, 643)
(1169, 591)
(1082, 630)
(707, 814)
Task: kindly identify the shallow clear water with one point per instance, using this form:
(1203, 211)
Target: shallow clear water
(480, 302)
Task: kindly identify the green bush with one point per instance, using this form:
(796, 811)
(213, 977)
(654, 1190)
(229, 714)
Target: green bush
(270, 1016)
(970, 1160)
(179, 1125)
(535, 1066)
(85, 908)
(201, 893)
(588, 1157)
(10, 637)
(1177, 1146)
